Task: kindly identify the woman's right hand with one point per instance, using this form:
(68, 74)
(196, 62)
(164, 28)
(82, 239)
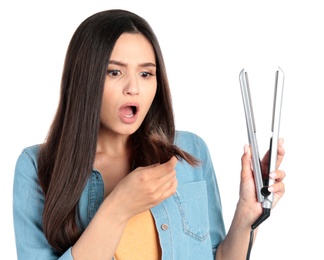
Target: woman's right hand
(144, 188)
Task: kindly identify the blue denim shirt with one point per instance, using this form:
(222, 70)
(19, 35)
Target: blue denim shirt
(189, 223)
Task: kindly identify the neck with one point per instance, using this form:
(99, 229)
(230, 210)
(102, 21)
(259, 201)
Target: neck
(114, 145)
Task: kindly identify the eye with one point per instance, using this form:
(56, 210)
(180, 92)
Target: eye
(146, 74)
(113, 73)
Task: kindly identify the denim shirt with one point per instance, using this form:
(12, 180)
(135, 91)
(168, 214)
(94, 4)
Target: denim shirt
(189, 223)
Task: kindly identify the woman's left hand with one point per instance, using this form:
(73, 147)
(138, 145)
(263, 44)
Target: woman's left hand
(247, 187)
(278, 188)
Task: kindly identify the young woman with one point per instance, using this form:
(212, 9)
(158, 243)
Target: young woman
(114, 179)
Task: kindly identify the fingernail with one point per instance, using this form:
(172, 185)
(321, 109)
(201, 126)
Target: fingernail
(246, 148)
(271, 189)
(273, 175)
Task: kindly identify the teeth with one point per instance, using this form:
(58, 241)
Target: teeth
(129, 116)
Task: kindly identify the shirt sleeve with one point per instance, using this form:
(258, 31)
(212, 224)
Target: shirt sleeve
(216, 221)
(196, 145)
(28, 205)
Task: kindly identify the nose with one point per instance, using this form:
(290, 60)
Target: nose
(131, 87)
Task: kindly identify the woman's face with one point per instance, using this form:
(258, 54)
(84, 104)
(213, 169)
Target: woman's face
(130, 85)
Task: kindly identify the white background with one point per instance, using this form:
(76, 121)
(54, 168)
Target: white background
(205, 45)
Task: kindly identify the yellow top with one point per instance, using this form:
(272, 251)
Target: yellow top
(140, 239)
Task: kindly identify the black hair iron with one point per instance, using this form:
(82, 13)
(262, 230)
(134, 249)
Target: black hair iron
(262, 183)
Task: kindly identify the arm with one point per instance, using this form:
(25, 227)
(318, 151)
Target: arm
(140, 190)
(28, 203)
(248, 209)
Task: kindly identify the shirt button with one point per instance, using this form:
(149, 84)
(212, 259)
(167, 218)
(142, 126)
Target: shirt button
(164, 226)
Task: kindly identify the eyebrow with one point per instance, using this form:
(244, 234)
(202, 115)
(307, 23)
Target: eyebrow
(119, 63)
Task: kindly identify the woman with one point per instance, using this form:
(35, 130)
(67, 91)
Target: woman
(114, 179)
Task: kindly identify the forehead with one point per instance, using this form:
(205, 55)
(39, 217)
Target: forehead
(133, 47)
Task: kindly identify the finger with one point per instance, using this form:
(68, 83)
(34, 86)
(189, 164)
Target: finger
(168, 177)
(246, 161)
(162, 190)
(281, 141)
(172, 162)
(277, 175)
(278, 188)
(281, 152)
(165, 179)
(169, 188)
(165, 168)
(280, 156)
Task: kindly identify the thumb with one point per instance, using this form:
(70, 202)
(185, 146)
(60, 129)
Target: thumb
(246, 161)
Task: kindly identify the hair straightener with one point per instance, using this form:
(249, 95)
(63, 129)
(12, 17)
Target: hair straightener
(262, 181)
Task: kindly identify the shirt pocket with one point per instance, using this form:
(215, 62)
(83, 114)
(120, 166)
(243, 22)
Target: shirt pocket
(191, 199)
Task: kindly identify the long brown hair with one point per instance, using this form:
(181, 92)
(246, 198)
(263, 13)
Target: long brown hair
(67, 156)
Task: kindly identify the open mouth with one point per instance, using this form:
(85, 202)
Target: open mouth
(134, 109)
(129, 111)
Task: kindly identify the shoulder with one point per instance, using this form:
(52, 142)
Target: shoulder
(191, 142)
(187, 138)
(32, 151)
(29, 155)
(26, 185)
(26, 163)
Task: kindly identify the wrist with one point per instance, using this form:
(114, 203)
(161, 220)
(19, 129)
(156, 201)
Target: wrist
(248, 212)
(112, 207)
